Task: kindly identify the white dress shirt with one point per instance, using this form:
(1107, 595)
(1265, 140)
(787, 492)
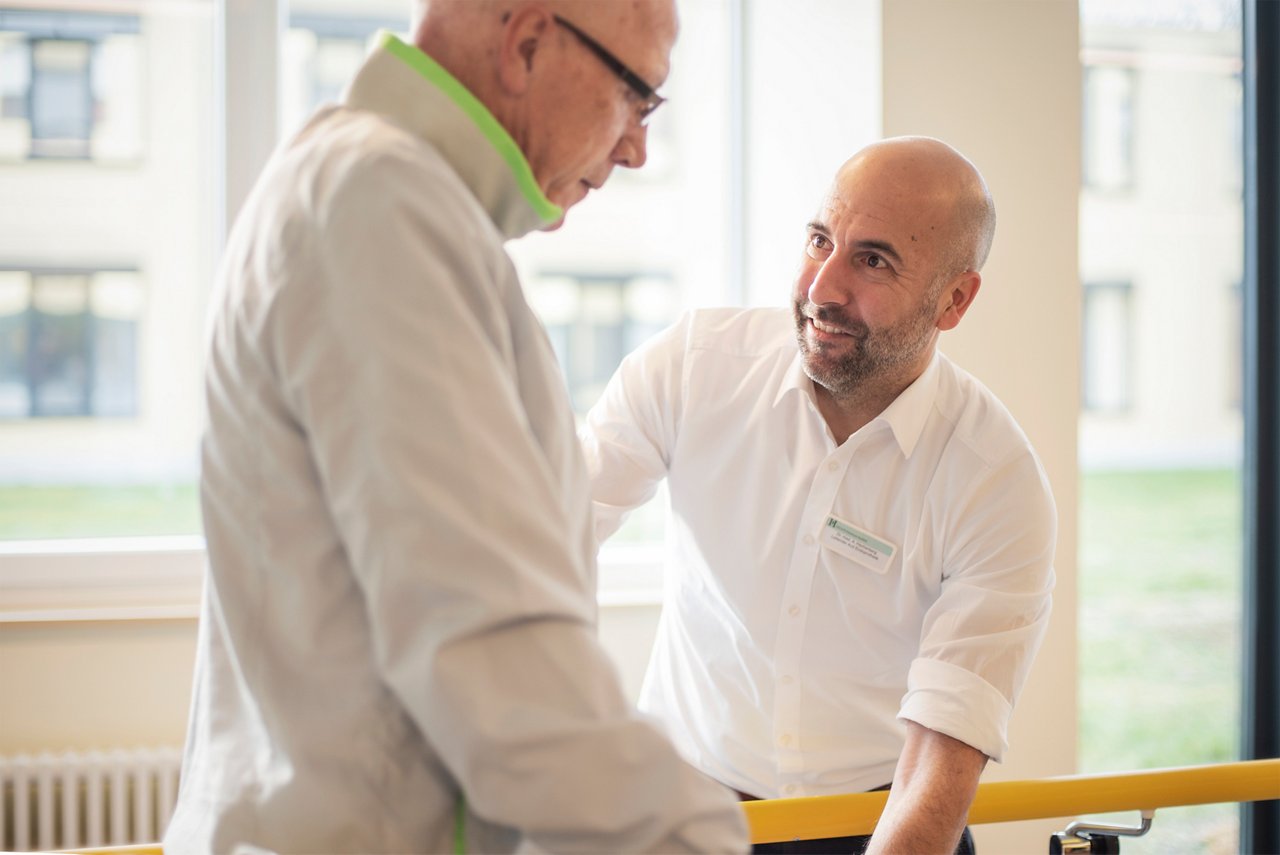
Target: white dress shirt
(817, 593)
(400, 603)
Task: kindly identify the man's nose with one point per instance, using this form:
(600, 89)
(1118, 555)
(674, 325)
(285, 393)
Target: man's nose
(827, 286)
(632, 148)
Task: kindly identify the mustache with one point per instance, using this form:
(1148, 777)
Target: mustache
(831, 316)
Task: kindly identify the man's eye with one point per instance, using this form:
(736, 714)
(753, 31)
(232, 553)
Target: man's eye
(875, 261)
(817, 247)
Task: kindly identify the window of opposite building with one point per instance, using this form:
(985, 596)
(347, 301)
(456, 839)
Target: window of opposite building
(70, 85)
(1108, 127)
(69, 343)
(594, 320)
(1107, 350)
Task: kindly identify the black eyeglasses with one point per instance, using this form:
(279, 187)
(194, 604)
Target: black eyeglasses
(649, 99)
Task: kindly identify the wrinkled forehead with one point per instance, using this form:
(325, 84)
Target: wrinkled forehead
(869, 196)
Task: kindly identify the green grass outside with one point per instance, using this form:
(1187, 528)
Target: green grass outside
(1159, 637)
(37, 513)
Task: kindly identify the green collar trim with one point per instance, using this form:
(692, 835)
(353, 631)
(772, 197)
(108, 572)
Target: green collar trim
(460, 826)
(483, 119)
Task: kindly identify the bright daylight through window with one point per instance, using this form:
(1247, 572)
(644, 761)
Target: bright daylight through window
(1161, 247)
(106, 126)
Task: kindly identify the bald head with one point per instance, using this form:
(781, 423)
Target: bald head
(457, 33)
(932, 173)
(571, 81)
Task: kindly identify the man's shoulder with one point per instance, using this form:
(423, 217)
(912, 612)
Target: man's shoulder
(981, 420)
(345, 156)
(736, 331)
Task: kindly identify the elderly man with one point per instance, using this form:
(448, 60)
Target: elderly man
(397, 649)
(861, 537)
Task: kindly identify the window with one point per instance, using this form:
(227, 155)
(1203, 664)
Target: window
(594, 321)
(107, 248)
(321, 52)
(124, 374)
(1108, 127)
(69, 85)
(1107, 331)
(69, 343)
(61, 100)
(1161, 537)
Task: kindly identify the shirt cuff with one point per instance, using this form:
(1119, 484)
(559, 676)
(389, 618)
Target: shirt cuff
(958, 703)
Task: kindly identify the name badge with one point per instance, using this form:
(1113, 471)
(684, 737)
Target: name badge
(857, 544)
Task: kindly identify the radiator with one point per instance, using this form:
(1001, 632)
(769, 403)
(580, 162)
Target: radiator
(95, 798)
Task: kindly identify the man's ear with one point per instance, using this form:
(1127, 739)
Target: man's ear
(524, 31)
(956, 299)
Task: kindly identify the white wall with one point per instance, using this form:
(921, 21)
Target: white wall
(999, 79)
(104, 684)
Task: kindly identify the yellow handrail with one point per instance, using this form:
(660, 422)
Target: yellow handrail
(773, 820)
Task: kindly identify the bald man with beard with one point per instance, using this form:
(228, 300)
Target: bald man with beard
(860, 537)
(397, 647)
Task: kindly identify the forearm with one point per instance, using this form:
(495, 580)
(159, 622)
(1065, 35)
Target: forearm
(933, 787)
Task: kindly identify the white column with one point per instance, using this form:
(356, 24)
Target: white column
(1000, 80)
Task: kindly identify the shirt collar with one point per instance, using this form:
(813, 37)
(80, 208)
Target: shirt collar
(905, 416)
(909, 411)
(401, 82)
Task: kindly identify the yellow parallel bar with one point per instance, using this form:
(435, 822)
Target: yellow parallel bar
(1010, 801)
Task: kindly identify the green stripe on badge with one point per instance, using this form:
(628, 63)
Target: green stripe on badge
(860, 536)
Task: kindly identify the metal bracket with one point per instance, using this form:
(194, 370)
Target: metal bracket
(1097, 837)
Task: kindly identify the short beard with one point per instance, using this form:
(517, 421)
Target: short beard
(873, 355)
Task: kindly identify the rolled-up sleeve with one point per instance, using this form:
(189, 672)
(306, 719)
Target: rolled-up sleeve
(980, 637)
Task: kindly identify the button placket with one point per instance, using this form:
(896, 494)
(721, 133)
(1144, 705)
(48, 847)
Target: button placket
(793, 620)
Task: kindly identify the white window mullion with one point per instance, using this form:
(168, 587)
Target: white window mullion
(248, 35)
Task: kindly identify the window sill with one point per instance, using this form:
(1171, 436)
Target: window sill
(150, 578)
(160, 578)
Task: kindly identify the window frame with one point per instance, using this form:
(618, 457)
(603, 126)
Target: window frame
(1260, 821)
(140, 578)
(160, 578)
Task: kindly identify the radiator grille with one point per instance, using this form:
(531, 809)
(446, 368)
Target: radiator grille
(96, 798)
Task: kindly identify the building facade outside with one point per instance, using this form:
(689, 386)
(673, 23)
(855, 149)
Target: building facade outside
(1161, 235)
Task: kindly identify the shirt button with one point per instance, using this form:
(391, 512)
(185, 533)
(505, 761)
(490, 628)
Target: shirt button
(833, 466)
(789, 789)
(787, 679)
(793, 611)
(785, 740)
(808, 540)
